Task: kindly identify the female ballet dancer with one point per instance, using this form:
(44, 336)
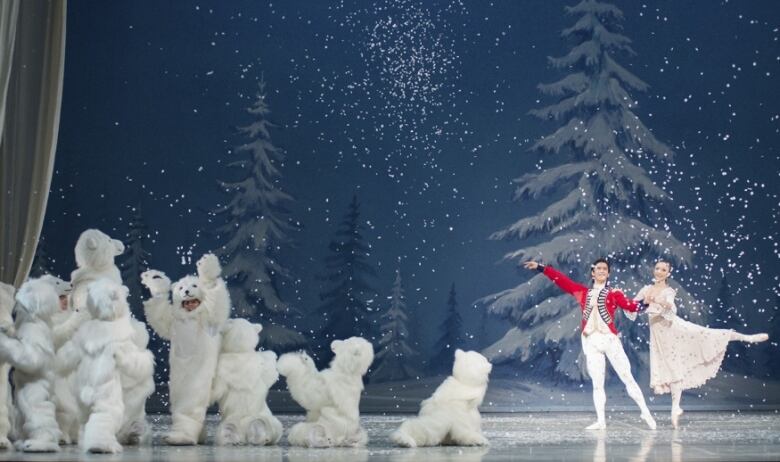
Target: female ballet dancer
(683, 355)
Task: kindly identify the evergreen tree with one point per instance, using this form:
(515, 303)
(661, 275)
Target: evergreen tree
(42, 262)
(598, 201)
(392, 361)
(346, 309)
(256, 225)
(451, 336)
(135, 260)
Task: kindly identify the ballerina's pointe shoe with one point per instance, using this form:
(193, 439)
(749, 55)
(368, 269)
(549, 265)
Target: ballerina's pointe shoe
(676, 413)
(597, 426)
(758, 338)
(649, 420)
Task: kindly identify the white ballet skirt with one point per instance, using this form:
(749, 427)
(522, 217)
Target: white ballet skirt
(681, 351)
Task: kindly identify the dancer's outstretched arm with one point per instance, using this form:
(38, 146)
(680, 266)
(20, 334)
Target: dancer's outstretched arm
(626, 303)
(560, 279)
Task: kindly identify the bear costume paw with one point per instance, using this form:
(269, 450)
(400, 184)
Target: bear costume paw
(156, 281)
(209, 268)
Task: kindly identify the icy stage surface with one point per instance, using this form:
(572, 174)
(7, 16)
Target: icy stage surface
(703, 436)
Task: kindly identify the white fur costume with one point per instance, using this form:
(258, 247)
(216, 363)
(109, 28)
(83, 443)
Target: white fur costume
(93, 350)
(451, 414)
(6, 402)
(192, 323)
(331, 397)
(32, 355)
(136, 371)
(95, 252)
(241, 386)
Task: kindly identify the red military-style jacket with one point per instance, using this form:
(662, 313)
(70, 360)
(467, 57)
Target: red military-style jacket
(608, 300)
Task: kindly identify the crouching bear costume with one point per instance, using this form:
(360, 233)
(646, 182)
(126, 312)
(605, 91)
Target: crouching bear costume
(192, 323)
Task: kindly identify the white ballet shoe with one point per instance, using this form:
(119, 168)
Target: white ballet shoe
(649, 420)
(597, 426)
(757, 338)
(676, 413)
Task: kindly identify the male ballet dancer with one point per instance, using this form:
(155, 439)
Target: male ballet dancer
(599, 334)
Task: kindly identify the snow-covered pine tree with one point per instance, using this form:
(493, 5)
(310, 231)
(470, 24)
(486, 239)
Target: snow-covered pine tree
(598, 202)
(393, 360)
(255, 225)
(451, 336)
(42, 262)
(135, 260)
(346, 309)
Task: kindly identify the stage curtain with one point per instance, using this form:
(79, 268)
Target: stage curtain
(33, 61)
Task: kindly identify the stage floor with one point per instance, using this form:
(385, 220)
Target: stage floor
(544, 436)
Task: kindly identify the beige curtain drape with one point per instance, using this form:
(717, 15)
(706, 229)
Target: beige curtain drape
(33, 53)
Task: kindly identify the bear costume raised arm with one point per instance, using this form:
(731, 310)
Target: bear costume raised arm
(158, 308)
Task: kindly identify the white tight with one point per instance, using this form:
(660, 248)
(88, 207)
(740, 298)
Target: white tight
(598, 348)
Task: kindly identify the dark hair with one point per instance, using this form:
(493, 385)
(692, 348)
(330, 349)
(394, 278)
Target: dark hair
(668, 263)
(599, 260)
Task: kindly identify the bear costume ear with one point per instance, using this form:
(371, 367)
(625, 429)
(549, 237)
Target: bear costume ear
(91, 243)
(336, 345)
(258, 328)
(459, 353)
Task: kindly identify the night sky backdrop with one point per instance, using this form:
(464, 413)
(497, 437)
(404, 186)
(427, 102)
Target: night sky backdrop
(429, 142)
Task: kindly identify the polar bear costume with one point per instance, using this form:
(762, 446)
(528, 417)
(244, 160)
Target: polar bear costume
(7, 410)
(331, 397)
(192, 323)
(95, 252)
(32, 355)
(136, 371)
(451, 415)
(93, 351)
(241, 386)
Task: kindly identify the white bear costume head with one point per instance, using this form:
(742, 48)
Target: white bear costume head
(107, 300)
(187, 293)
(63, 289)
(353, 356)
(240, 335)
(37, 299)
(94, 249)
(471, 367)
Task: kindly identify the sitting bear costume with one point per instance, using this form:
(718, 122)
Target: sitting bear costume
(192, 323)
(331, 398)
(451, 415)
(241, 386)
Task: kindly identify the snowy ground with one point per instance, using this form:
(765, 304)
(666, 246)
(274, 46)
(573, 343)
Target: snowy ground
(706, 436)
(726, 392)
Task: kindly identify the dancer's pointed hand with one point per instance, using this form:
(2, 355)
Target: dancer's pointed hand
(531, 265)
